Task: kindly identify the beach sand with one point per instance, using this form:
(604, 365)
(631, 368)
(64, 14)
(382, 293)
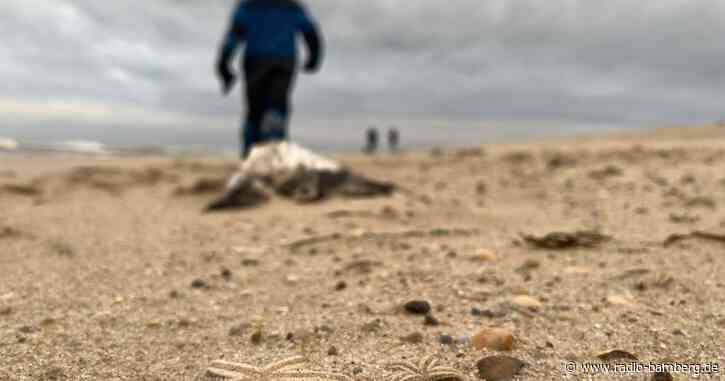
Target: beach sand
(110, 271)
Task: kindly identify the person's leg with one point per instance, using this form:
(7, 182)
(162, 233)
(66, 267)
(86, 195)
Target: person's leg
(277, 111)
(256, 104)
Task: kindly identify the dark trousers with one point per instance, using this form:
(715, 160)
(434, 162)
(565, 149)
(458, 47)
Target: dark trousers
(269, 84)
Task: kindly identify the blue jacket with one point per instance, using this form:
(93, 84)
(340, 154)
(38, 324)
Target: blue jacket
(270, 28)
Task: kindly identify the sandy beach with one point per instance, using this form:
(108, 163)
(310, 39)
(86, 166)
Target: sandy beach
(109, 270)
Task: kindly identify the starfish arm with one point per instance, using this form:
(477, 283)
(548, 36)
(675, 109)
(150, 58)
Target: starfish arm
(301, 375)
(444, 374)
(404, 367)
(413, 377)
(225, 373)
(428, 363)
(285, 364)
(241, 368)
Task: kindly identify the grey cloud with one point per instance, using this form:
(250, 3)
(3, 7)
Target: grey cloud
(576, 61)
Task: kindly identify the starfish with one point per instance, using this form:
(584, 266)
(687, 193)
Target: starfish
(427, 369)
(288, 369)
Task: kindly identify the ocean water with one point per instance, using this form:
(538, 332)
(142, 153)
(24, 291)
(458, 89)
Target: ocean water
(341, 136)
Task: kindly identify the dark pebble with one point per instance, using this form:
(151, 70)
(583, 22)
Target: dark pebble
(418, 307)
(250, 262)
(199, 284)
(27, 329)
(445, 339)
(487, 313)
(430, 320)
(256, 338)
(332, 351)
(226, 274)
(340, 286)
(413, 338)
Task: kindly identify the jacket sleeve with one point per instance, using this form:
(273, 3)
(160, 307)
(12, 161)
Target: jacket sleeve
(311, 33)
(235, 35)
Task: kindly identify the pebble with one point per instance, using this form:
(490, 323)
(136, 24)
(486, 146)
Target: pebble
(256, 338)
(332, 351)
(5, 311)
(499, 368)
(226, 274)
(418, 307)
(445, 339)
(662, 376)
(430, 320)
(292, 279)
(250, 262)
(485, 255)
(497, 339)
(341, 285)
(487, 313)
(27, 329)
(199, 284)
(413, 338)
(527, 302)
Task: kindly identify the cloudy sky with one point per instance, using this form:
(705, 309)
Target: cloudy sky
(134, 70)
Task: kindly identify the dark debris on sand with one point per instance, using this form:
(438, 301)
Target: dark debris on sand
(567, 240)
(302, 186)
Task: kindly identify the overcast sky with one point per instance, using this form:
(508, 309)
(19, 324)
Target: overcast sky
(135, 65)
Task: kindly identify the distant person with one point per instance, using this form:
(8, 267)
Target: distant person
(371, 141)
(270, 29)
(393, 139)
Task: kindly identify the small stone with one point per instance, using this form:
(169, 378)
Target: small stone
(226, 274)
(616, 354)
(485, 255)
(526, 302)
(499, 368)
(341, 285)
(497, 339)
(5, 311)
(199, 284)
(662, 376)
(413, 338)
(445, 339)
(247, 262)
(292, 279)
(174, 294)
(418, 307)
(153, 324)
(488, 313)
(332, 351)
(678, 332)
(620, 300)
(256, 338)
(357, 370)
(430, 320)
(28, 329)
